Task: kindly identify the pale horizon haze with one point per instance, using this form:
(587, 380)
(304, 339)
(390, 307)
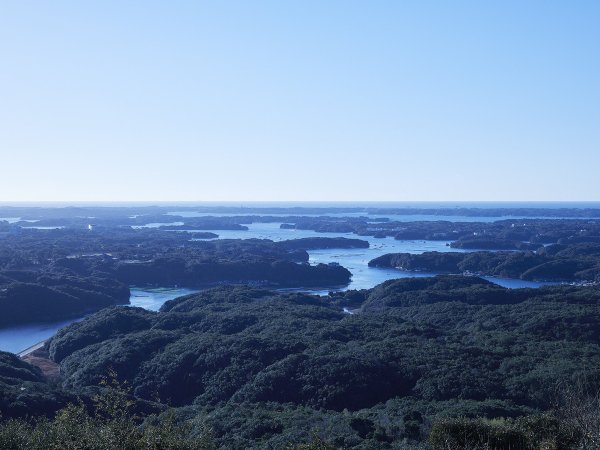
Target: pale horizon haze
(299, 101)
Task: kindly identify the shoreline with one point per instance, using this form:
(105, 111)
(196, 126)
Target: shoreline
(31, 349)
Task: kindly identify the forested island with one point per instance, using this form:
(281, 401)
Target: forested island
(498, 235)
(265, 369)
(133, 212)
(578, 262)
(519, 232)
(48, 275)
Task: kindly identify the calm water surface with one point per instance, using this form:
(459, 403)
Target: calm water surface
(153, 299)
(356, 260)
(15, 339)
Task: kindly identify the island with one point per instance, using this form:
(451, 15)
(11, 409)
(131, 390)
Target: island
(579, 262)
(50, 275)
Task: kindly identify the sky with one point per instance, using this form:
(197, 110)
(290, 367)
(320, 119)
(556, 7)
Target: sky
(299, 100)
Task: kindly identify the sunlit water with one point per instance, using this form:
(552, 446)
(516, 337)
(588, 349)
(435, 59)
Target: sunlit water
(16, 339)
(10, 219)
(356, 260)
(156, 225)
(153, 299)
(373, 217)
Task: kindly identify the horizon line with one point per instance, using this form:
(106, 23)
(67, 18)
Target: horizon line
(272, 202)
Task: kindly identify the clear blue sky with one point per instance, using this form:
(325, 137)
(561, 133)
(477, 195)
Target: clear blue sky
(299, 100)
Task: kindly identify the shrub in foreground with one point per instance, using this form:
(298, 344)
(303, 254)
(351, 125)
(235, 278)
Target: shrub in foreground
(536, 432)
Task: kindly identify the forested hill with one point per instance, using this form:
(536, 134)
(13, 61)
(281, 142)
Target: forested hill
(49, 275)
(267, 368)
(575, 262)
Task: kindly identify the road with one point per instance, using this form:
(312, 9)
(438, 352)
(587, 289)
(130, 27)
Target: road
(31, 349)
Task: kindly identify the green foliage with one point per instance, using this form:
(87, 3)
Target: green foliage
(24, 390)
(316, 443)
(419, 348)
(51, 275)
(110, 426)
(539, 432)
(261, 369)
(573, 262)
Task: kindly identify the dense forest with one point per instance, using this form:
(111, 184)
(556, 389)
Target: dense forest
(48, 275)
(559, 262)
(447, 362)
(267, 369)
(499, 235)
(518, 228)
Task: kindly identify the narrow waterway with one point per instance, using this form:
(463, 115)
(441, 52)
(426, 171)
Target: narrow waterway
(15, 339)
